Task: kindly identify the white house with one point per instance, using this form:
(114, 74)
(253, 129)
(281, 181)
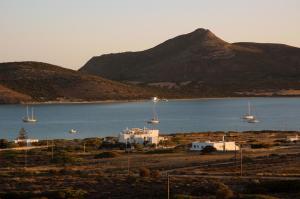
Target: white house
(140, 136)
(292, 138)
(220, 145)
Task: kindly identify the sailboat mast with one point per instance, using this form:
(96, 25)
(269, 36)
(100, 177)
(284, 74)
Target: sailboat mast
(249, 109)
(27, 114)
(154, 111)
(32, 113)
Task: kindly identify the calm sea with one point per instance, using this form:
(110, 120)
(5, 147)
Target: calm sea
(108, 119)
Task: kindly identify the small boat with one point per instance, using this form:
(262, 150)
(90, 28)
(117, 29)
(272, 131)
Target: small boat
(153, 121)
(248, 116)
(165, 100)
(73, 131)
(155, 99)
(254, 120)
(28, 118)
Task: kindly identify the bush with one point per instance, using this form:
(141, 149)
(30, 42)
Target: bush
(138, 147)
(107, 154)
(288, 186)
(160, 151)
(260, 145)
(10, 155)
(132, 179)
(155, 174)
(275, 186)
(209, 149)
(93, 143)
(109, 145)
(74, 194)
(63, 194)
(255, 196)
(144, 172)
(62, 157)
(224, 192)
(179, 196)
(3, 144)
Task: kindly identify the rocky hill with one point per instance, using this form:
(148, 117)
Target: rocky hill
(41, 82)
(203, 64)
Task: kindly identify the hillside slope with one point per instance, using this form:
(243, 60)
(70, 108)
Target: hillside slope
(40, 82)
(204, 64)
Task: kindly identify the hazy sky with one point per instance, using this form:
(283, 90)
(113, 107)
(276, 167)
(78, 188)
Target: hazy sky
(69, 32)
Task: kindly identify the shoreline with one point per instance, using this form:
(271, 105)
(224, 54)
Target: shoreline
(144, 100)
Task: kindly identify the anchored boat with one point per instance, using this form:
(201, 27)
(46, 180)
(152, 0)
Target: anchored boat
(73, 131)
(154, 119)
(248, 116)
(28, 118)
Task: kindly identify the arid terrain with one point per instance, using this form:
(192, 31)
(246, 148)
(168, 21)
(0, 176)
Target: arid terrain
(97, 168)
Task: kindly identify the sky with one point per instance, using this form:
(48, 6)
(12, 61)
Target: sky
(69, 32)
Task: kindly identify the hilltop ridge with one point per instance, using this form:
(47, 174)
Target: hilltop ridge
(206, 65)
(24, 82)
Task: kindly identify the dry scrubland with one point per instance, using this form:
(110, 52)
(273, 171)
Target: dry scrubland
(270, 169)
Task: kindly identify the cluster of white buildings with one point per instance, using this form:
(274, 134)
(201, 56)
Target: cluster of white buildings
(140, 136)
(220, 145)
(27, 141)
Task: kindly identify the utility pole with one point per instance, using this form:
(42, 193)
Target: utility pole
(235, 154)
(52, 150)
(84, 147)
(128, 162)
(168, 189)
(25, 156)
(128, 165)
(241, 166)
(25, 163)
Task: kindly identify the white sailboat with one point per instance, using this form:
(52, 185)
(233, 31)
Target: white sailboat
(73, 131)
(28, 118)
(248, 116)
(254, 120)
(154, 119)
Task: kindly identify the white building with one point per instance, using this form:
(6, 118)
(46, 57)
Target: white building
(292, 138)
(140, 136)
(27, 141)
(220, 146)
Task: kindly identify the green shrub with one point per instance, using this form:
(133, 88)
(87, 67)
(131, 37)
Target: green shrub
(155, 174)
(209, 149)
(160, 151)
(107, 154)
(62, 157)
(10, 155)
(180, 196)
(256, 196)
(75, 194)
(274, 186)
(4, 144)
(283, 186)
(223, 192)
(138, 147)
(144, 172)
(260, 145)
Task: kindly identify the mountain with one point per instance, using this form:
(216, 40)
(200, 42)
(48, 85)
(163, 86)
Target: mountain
(22, 82)
(203, 64)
